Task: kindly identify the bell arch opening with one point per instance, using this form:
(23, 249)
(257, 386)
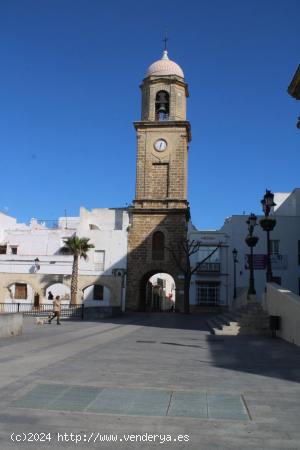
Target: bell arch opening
(162, 106)
(157, 292)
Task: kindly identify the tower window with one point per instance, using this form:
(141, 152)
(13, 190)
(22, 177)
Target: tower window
(158, 246)
(162, 106)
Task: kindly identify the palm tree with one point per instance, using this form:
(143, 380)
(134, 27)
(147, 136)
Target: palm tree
(78, 247)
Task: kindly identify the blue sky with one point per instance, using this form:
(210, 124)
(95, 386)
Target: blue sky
(69, 91)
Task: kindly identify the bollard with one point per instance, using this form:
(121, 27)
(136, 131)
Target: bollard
(274, 324)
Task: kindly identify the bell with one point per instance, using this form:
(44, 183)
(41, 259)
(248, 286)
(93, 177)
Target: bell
(162, 108)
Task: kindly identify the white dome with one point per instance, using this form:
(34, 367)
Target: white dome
(164, 66)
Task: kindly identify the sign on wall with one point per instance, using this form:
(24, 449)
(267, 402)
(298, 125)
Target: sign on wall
(279, 262)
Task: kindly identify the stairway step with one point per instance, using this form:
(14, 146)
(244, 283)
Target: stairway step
(222, 326)
(231, 317)
(211, 326)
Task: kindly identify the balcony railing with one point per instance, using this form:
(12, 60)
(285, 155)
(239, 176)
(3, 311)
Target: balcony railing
(214, 267)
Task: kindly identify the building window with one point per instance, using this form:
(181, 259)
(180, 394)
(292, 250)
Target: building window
(98, 292)
(3, 249)
(14, 249)
(299, 252)
(208, 293)
(158, 246)
(99, 259)
(20, 291)
(211, 256)
(274, 246)
(162, 102)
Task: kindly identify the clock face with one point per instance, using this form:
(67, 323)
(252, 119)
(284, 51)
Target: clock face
(160, 145)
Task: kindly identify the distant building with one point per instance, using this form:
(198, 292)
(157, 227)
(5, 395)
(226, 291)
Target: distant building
(294, 89)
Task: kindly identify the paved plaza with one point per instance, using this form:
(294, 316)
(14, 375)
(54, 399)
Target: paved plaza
(147, 381)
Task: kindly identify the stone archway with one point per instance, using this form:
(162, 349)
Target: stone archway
(145, 303)
(96, 294)
(10, 291)
(113, 284)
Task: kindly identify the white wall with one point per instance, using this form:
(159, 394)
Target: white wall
(38, 241)
(283, 303)
(109, 234)
(287, 204)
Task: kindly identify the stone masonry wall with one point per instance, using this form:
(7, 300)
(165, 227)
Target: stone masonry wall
(140, 262)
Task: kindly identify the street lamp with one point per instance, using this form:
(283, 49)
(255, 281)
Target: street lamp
(251, 241)
(37, 264)
(235, 260)
(268, 223)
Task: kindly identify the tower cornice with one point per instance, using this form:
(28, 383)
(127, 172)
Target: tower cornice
(147, 124)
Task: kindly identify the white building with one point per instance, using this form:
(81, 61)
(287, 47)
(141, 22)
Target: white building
(285, 246)
(210, 283)
(32, 261)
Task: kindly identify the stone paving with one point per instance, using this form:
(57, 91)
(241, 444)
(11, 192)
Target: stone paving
(139, 402)
(147, 381)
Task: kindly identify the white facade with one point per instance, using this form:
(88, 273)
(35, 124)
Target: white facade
(285, 246)
(107, 230)
(37, 249)
(210, 283)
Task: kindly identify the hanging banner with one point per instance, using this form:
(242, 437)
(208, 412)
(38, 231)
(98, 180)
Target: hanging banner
(278, 262)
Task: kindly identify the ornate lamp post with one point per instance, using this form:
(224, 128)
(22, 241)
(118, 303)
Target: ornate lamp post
(268, 223)
(36, 264)
(235, 260)
(251, 241)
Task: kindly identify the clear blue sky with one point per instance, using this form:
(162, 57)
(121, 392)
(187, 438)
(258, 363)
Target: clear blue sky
(69, 91)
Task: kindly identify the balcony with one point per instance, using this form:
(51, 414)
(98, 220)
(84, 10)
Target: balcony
(209, 267)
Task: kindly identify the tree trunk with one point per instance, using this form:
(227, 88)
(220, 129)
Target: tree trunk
(74, 280)
(186, 302)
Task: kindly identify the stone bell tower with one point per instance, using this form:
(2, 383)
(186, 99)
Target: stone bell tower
(160, 209)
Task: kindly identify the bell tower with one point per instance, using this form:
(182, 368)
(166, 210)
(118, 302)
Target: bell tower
(160, 204)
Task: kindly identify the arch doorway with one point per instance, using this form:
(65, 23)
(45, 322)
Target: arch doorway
(157, 292)
(96, 295)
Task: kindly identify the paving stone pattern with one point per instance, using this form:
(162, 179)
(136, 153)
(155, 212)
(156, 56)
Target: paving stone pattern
(144, 402)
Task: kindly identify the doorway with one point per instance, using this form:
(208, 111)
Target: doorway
(158, 292)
